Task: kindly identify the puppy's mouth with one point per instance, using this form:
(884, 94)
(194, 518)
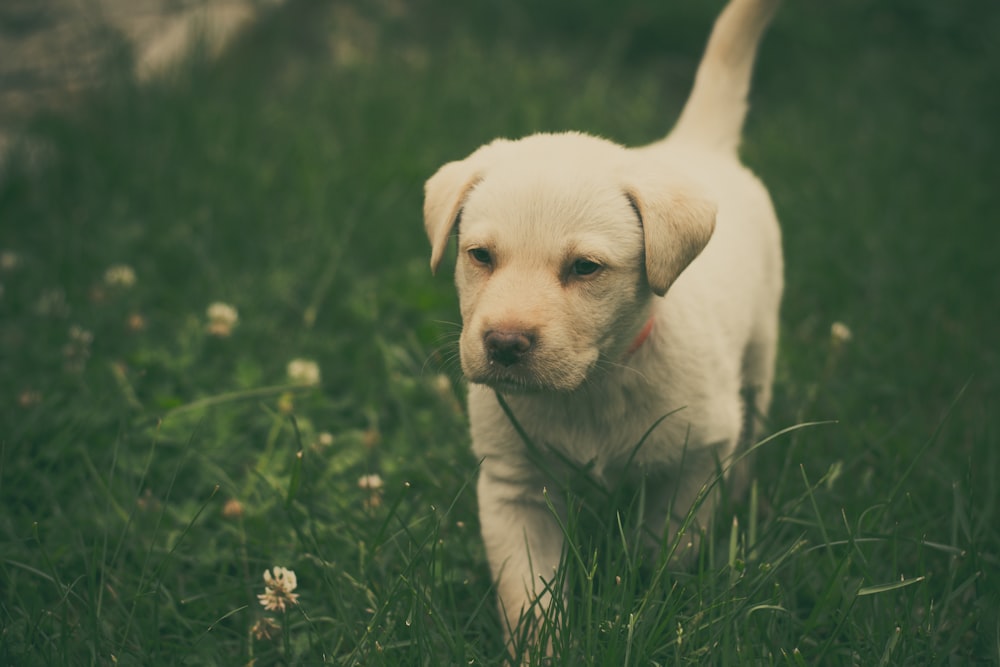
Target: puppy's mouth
(524, 367)
(511, 381)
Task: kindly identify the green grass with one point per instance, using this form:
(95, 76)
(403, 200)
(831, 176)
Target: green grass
(290, 187)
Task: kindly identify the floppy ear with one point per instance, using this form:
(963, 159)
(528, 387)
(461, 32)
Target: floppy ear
(444, 194)
(676, 227)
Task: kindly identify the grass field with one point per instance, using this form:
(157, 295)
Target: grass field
(155, 460)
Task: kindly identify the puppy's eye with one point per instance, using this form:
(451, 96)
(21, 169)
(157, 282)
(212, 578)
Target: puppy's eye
(481, 256)
(585, 267)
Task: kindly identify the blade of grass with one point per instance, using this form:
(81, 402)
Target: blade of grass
(884, 588)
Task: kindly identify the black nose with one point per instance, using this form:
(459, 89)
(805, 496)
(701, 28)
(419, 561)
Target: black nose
(508, 347)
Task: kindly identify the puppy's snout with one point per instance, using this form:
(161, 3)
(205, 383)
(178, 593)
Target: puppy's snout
(508, 347)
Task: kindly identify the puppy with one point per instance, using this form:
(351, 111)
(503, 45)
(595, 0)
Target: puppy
(602, 288)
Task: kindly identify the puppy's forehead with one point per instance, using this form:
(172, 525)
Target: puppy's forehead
(553, 190)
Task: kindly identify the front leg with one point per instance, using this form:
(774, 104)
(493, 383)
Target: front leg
(687, 494)
(523, 539)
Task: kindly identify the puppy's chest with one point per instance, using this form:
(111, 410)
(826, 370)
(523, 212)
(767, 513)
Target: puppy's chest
(609, 437)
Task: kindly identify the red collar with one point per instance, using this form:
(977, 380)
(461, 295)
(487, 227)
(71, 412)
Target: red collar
(643, 335)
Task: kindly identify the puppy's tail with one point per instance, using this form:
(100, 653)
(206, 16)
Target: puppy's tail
(714, 114)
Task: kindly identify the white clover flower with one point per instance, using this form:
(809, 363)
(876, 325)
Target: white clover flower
(136, 322)
(29, 398)
(221, 319)
(77, 350)
(840, 333)
(281, 578)
(441, 384)
(52, 302)
(266, 628)
(80, 336)
(233, 509)
(373, 485)
(370, 482)
(9, 260)
(119, 275)
(279, 582)
(303, 371)
(324, 439)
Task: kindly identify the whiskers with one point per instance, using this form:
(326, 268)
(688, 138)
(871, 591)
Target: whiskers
(545, 374)
(445, 356)
(608, 365)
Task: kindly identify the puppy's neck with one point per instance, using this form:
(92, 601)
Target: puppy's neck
(641, 337)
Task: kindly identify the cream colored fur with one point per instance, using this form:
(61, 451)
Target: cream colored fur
(567, 245)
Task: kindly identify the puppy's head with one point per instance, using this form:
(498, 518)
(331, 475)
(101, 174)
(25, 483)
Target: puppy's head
(563, 241)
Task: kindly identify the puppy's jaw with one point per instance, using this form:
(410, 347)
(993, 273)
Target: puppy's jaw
(534, 374)
(551, 360)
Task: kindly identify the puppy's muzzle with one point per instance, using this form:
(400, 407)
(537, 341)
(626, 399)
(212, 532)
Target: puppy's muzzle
(508, 348)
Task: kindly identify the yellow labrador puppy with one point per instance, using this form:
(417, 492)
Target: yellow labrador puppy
(602, 288)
